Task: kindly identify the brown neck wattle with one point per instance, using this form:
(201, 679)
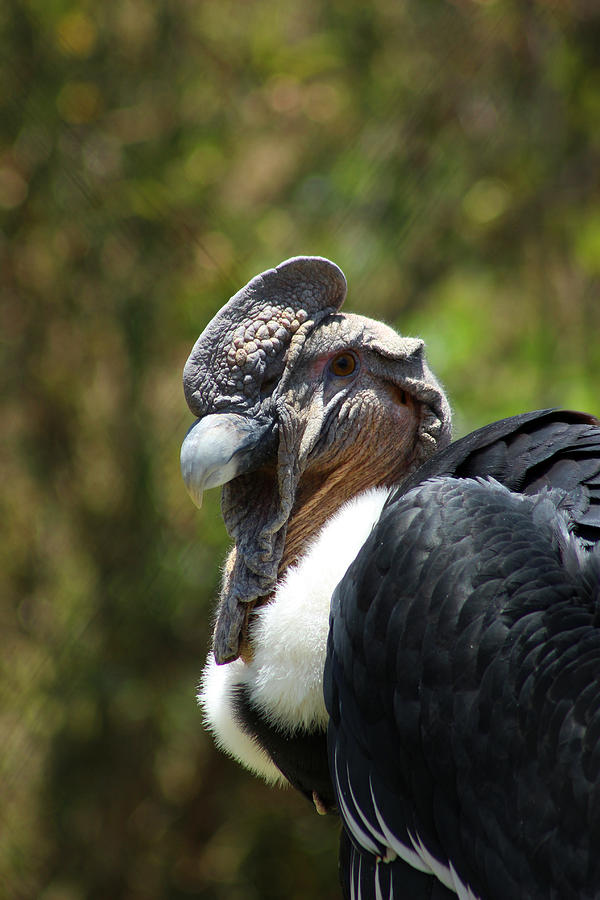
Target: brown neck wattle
(323, 490)
(267, 545)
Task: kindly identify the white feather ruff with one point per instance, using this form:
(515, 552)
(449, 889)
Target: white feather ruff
(289, 636)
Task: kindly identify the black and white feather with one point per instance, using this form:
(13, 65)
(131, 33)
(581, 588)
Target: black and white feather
(425, 658)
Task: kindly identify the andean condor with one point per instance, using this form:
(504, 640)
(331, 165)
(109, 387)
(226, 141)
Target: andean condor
(445, 696)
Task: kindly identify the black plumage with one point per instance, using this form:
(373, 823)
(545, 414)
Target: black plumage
(301, 757)
(463, 669)
(460, 734)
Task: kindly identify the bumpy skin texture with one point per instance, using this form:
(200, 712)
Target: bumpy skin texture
(245, 344)
(260, 357)
(234, 365)
(463, 669)
(464, 661)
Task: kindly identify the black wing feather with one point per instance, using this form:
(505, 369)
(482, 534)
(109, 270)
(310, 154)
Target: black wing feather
(469, 724)
(361, 874)
(545, 449)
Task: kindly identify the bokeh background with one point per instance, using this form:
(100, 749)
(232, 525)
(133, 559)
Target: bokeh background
(153, 157)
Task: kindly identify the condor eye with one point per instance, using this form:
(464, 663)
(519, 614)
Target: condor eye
(343, 364)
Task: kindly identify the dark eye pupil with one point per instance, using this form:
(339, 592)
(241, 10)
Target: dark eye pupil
(344, 364)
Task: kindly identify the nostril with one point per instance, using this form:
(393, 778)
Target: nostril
(268, 386)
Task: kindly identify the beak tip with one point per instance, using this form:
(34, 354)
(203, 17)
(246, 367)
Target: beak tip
(219, 447)
(196, 498)
(189, 475)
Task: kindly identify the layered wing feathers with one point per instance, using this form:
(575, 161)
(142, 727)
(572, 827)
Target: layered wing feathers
(462, 675)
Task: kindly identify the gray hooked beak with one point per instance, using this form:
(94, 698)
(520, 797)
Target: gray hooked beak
(219, 447)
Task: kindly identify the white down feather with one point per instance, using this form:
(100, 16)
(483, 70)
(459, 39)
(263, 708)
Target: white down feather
(289, 636)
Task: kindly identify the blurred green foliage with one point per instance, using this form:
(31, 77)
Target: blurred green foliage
(153, 157)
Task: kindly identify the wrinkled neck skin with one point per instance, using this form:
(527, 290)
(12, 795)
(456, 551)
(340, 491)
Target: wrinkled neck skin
(336, 439)
(337, 478)
(278, 674)
(255, 505)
